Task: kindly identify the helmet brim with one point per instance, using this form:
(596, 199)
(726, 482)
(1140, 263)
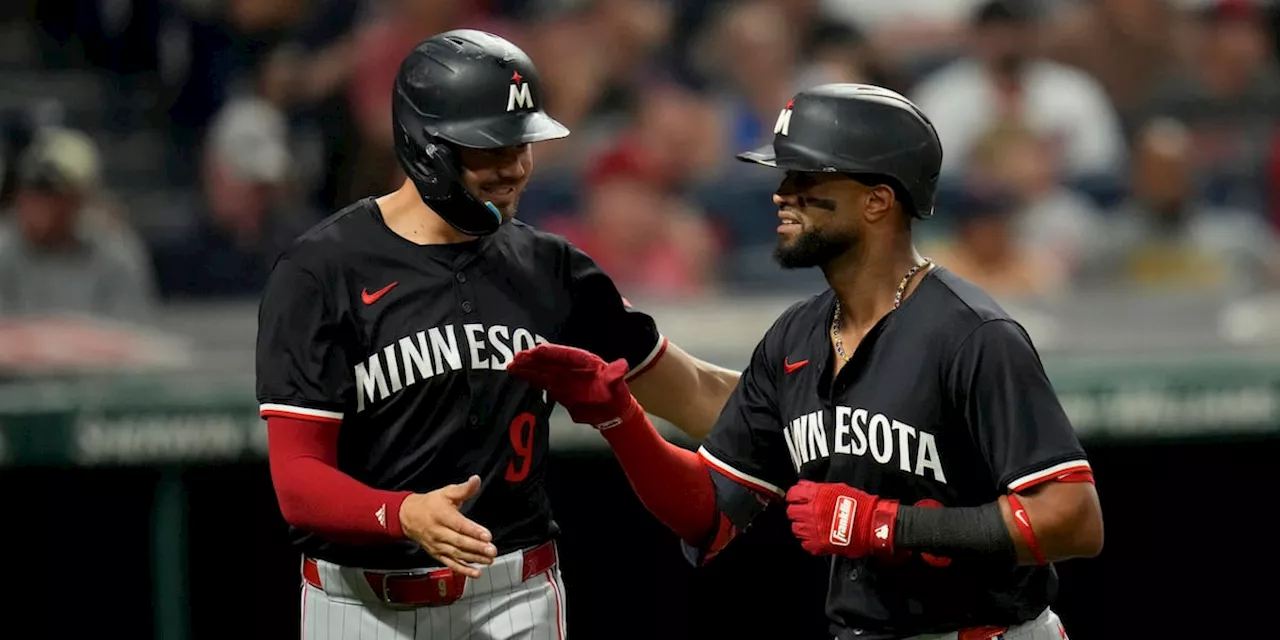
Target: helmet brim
(794, 158)
(764, 155)
(507, 130)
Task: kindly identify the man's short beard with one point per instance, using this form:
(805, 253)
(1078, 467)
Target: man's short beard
(509, 213)
(811, 248)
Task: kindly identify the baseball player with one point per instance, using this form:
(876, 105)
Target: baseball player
(408, 464)
(902, 417)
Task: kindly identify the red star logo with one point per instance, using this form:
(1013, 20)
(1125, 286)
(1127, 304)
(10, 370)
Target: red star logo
(791, 103)
(516, 77)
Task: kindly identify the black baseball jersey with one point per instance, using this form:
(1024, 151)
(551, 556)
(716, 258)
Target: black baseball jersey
(407, 344)
(944, 403)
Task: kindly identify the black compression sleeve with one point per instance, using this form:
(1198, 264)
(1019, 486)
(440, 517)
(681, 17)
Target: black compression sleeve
(953, 531)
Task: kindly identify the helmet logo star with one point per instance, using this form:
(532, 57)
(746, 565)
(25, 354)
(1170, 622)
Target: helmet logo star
(783, 126)
(518, 93)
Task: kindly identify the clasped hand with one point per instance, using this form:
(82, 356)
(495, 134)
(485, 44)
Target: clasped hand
(434, 521)
(592, 391)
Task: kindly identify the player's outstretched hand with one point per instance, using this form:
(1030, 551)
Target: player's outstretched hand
(434, 521)
(592, 391)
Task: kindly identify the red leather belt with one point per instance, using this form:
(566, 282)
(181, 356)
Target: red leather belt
(982, 633)
(435, 588)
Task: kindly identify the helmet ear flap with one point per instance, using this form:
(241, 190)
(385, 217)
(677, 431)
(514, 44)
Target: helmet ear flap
(435, 169)
(433, 165)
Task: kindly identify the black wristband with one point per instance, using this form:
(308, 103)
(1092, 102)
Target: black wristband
(955, 531)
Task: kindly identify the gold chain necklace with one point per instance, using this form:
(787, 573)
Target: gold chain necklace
(897, 301)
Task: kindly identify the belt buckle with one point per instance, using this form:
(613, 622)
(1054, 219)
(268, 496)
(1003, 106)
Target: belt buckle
(445, 588)
(448, 586)
(385, 592)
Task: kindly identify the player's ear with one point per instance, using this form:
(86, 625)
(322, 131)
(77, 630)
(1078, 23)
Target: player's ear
(878, 202)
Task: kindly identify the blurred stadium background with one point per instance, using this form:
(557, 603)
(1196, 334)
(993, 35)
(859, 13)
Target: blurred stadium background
(1112, 174)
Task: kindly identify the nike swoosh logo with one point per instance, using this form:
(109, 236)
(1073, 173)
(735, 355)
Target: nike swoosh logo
(370, 298)
(789, 367)
(1022, 517)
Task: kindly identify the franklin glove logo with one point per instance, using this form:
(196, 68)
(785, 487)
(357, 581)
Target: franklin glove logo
(609, 424)
(842, 520)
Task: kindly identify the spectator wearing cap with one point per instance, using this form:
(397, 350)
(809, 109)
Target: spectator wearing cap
(60, 250)
(649, 241)
(247, 212)
(987, 251)
(1004, 79)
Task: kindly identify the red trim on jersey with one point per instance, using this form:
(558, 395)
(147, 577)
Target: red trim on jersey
(670, 481)
(292, 415)
(1073, 471)
(646, 366)
(755, 484)
(1082, 475)
(315, 496)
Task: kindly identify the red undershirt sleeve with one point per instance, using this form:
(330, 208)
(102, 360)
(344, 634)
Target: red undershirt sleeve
(315, 496)
(671, 482)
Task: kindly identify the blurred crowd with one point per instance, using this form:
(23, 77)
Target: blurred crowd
(162, 150)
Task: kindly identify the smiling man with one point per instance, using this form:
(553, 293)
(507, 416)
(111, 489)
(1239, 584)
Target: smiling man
(902, 417)
(403, 456)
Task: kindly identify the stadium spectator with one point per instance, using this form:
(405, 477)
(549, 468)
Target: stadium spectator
(1169, 237)
(986, 249)
(61, 251)
(306, 75)
(1004, 78)
(597, 61)
(839, 53)
(1049, 218)
(676, 130)
(751, 57)
(1127, 45)
(246, 213)
(652, 243)
(1228, 95)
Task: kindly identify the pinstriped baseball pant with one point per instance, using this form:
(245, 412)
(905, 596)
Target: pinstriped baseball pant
(496, 606)
(1046, 626)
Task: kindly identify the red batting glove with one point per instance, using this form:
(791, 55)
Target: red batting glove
(836, 519)
(592, 391)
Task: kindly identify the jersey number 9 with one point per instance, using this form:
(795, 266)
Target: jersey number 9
(521, 431)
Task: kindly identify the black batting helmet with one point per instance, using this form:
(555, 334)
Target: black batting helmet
(464, 88)
(863, 130)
